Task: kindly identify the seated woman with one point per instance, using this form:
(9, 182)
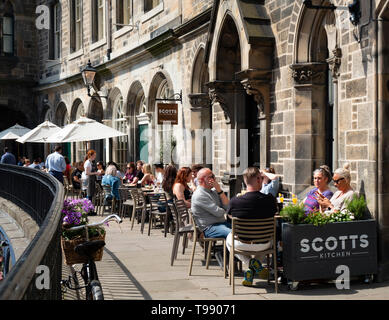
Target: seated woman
(130, 172)
(168, 181)
(342, 180)
(100, 169)
(110, 179)
(321, 178)
(180, 188)
(148, 178)
(270, 182)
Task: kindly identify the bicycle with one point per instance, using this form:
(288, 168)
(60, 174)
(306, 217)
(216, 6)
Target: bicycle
(89, 272)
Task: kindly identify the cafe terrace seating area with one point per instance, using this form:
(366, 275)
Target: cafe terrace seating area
(148, 208)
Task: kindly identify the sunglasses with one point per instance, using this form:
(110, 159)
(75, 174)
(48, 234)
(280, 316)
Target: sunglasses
(211, 177)
(337, 181)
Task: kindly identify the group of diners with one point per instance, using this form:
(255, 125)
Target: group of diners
(213, 211)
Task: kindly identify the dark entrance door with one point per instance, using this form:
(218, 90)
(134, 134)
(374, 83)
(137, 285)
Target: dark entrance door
(254, 132)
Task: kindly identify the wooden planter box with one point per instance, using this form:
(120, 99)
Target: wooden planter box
(311, 253)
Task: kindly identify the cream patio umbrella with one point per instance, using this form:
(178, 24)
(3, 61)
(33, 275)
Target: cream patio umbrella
(10, 136)
(16, 129)
(84, 129)
(40, 133)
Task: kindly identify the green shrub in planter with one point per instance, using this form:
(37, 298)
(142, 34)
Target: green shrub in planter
(294, 213)
(357, 206)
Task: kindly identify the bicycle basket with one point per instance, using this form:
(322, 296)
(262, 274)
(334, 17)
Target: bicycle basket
(71, 257)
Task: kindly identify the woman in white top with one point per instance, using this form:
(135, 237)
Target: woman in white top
(341, 180)
(90, 176)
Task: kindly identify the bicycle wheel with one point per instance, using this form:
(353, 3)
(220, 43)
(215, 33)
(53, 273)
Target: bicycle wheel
(96, 290)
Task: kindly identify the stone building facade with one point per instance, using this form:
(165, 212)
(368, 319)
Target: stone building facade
(266, 82)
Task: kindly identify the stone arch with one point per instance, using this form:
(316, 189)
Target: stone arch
(61, 117)
(228, 55)
(310, 23)
(75, 109)
(114, 93)
(95, 110)
(159, 78)
(200, 73)
(136, 105)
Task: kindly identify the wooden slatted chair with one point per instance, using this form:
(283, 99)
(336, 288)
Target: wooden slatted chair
(208, 243)
(182, 226)
(254, 231)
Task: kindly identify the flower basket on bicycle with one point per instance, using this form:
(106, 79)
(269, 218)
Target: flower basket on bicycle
(75, 213)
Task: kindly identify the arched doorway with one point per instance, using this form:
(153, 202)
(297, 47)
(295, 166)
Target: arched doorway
(163, 143)
(120, 123)
(201, 116)
(78, 148)
(95, 112)
(137, 109)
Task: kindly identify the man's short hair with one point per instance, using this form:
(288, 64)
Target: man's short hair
(158, 166)
(250, 173)
(58, 148)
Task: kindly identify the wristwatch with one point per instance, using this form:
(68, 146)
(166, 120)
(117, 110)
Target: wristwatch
(220, 192)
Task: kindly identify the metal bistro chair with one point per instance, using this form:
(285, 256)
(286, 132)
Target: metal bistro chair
(139, 207)
(158, 200)
(208, 243)
(254, 231)
(125, 201)
(182, 226)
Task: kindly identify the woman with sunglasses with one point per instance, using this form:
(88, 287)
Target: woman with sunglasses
(342, 180)
(130, 172)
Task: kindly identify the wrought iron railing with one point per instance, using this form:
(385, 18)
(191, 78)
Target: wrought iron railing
(41, 196)
(6, 254)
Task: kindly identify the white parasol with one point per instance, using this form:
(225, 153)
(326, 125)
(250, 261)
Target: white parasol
(16, 129)
(40, 133)
(10, 136)
(84, 129)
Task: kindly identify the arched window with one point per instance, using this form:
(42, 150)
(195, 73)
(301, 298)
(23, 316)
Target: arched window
(7, 22)
(121, 124)
(165, 131)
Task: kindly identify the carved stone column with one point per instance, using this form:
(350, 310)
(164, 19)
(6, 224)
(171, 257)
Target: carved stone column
(308, 133)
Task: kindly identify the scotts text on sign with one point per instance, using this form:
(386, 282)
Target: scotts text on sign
(167, 112)
(332, 243)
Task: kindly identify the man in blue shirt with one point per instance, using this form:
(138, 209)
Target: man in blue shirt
(8, 157)
(55, 164)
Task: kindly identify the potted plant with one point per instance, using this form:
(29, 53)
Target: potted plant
(314, 245)
(75, 213)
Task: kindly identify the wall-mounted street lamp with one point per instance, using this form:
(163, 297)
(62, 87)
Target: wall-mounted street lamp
(88, 75)
(354, 9)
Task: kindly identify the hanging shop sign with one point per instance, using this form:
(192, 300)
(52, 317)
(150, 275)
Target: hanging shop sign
(167, 112)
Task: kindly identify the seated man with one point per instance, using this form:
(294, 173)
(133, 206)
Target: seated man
(77, 175)
(209, 205)
(252, 205)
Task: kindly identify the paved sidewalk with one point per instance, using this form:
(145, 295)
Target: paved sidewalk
(136, 266)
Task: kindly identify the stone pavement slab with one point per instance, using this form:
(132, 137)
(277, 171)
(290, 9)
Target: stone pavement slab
(136, 266)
